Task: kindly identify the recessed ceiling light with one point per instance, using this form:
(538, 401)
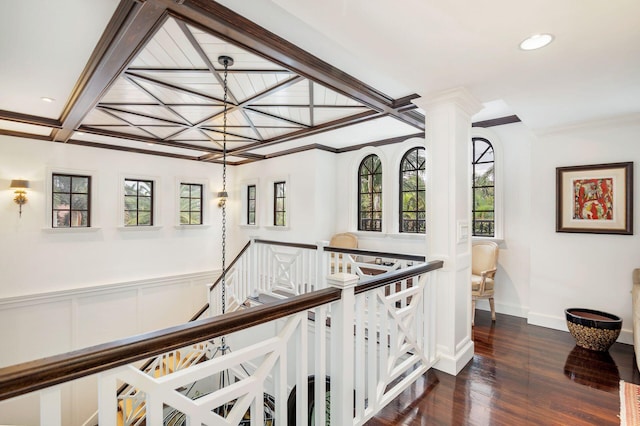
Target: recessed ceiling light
(150, 144)
(45, 99)
(536, 41)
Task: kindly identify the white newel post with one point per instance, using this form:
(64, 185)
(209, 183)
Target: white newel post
(342, 349)
(448, 142)
(50, 406)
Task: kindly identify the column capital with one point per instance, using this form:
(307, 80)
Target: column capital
(458, 96)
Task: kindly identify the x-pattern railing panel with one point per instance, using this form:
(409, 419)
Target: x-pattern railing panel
(267, 356)
(389, 342)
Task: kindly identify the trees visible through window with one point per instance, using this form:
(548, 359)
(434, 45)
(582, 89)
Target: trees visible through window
(138, 202)
(370, 194)
(483, 213)
(412, 191)
(190, 204)
(279, 207)
(71, 200)
(251, 205)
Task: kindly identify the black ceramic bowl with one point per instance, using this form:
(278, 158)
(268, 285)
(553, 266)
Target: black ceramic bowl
(595, 330)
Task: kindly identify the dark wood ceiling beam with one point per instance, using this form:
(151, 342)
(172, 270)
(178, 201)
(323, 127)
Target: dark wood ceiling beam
(138, 138)
(139, 114)
(170, 86)
(277, 117)
(497, 121)
(206, 70)
(24, 135)
(29, 119)
(130, 149)
(331, 125)
(389, 141)
(228, 25)
(132, 24)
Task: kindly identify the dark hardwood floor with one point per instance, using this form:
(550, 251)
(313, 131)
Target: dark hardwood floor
(520, 375)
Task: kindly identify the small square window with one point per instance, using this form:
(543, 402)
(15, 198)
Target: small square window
(71, 201)
(191, 204)
(138, 202)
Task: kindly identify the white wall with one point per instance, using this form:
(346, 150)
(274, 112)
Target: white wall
(580, 270)
(35, 259)
(389, 240)
(310, 181)
(513, 141)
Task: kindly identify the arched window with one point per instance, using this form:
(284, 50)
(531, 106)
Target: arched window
(483, 187)
(412, 191)
(370, 194)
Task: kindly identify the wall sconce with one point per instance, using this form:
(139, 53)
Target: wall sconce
(20, 187)
(222, 195)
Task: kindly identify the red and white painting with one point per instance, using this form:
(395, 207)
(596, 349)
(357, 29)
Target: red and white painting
(593, 199)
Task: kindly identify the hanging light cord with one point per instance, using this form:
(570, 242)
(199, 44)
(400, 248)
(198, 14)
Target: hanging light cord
(224, 206)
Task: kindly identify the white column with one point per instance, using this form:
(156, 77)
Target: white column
(342, 349)
(448, 141)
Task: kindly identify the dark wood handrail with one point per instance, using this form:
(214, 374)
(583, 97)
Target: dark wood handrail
(395, 276)
(360, 252)
(30, 376)
(233, 262)
(282, 243)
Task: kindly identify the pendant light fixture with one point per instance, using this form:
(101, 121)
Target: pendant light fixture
(225, 61)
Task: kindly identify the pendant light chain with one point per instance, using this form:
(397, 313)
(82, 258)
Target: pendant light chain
(226, 61)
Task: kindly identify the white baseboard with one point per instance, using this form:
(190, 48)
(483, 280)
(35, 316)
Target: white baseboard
(560, 323)
(504, 308)
(454, 364)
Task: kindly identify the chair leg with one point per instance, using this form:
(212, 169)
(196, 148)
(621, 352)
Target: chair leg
(493, 309)
(473, 312)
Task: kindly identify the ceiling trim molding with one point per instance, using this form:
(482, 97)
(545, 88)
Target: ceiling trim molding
(497, 121)
(35, 120)
(132, 24)
(25, 135)
(228, 25)
(145, 139)
(128, 149)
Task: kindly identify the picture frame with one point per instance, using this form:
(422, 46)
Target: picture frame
(595, 199)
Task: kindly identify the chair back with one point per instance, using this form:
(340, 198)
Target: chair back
(344, 240)
(484, 256)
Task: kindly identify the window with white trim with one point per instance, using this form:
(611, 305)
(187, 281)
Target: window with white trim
(191, 205)
(138, 202)
(413, 191)
(483, 214)
(279, 203)
(370, 194)
(71, 201)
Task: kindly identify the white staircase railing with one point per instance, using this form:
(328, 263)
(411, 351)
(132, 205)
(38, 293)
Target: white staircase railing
(358, 343)
(281, 269)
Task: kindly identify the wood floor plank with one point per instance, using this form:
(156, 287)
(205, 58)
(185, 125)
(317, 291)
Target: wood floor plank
(520, 375)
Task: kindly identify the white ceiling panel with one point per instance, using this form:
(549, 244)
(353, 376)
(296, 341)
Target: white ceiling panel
(169, 48)
(24, 128)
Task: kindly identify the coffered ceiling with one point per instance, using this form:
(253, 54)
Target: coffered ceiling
(155, 84)
(144, 76)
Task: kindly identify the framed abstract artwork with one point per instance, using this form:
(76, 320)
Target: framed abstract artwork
(595, 199)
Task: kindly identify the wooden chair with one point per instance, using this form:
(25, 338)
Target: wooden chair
(484, 263)
(342, 240)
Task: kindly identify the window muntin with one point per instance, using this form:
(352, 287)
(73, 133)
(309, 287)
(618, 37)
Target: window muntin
(370, 194)
(138, 202)
(251, 205)
(483, 188)
(413, 191)
(279, 206)
(191, 203)
(71, 201)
